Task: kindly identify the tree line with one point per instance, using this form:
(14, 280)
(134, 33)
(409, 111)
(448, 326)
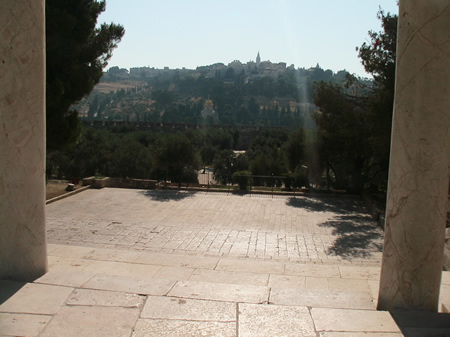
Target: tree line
(125, 152)
(179, 156)
(347, 149)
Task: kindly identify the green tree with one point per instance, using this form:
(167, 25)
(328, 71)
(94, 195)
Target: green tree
(266, 157)
(224, 166)
(77, 52)
(355, 121)
(131, 158)
(93, 154)
(294, 150)
(176, 159)
(343, 128)
(164, 97)
(222, 139)
(378, 58)
(208, 153)
(269, 163)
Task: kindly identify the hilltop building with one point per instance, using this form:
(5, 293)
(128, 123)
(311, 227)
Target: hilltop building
(208, 114)
(251, 69)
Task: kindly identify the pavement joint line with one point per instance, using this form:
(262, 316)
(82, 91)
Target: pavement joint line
(312, 320)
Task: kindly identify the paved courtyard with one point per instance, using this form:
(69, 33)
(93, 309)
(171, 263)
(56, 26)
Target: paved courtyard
(325, 229)
(166, 263)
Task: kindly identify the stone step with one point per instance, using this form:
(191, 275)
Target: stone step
(73, 266)
(209, 305)
(183, 294)
(250, 290)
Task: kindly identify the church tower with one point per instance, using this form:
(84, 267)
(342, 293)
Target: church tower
(258, 60)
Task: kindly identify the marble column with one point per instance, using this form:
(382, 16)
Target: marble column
(23, 252)
(418, 174)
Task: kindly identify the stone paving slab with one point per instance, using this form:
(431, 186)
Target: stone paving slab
(445, 278)
(362, 273)
(316, 283)
(260, 267)
(99, 321)
(348, 284)
(321, 298)
(177, 260)
(122, 269)
(89, 297)
(176, 328)
(287, 281)
(217, 276)
(445, 297)
(344, 320)
(66, 278)
(220, 292)
(22, 324)
(173, 308)
(130, 285)
(112, 255)
(30, 298)
(73, 252)
(300, 269)
(67, 264)
(175, 273)
(274, 320)
(306, 282)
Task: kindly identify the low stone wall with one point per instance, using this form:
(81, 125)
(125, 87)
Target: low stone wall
(96, 182)
(119, 183)
(66, 195)
(133, 183)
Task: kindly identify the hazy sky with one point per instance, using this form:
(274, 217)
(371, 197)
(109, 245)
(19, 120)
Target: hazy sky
(191, 33)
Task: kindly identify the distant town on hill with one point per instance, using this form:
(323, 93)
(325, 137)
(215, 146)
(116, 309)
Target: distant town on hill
(256, 93)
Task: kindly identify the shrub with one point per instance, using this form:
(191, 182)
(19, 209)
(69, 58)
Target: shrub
(242, 178)
(301, 177)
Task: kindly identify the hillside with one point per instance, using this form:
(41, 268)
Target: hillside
(271, 95)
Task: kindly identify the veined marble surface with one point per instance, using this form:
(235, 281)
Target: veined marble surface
(22, 140)
(418, 177)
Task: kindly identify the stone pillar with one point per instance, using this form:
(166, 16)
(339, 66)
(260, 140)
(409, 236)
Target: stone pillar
(23, 252)
(418, 174)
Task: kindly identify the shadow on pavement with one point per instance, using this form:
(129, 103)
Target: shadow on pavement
(341, 205)
(165, 195)
(415, 323)
(357, 236)
(8, 289)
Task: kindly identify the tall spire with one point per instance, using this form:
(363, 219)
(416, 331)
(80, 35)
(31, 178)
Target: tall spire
(258, 59)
